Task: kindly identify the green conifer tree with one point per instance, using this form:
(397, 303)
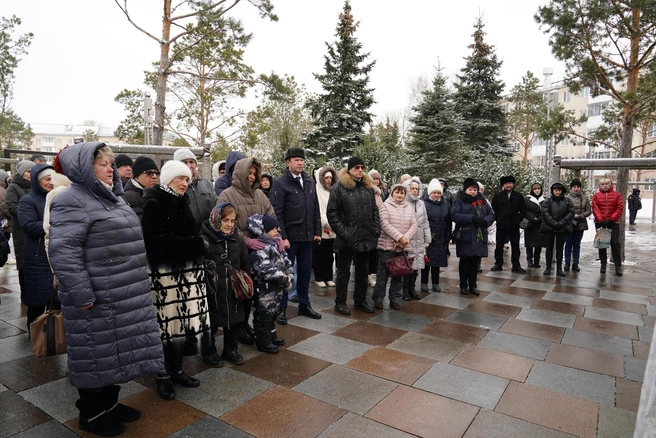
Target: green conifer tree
(478, 99)
(341, 112)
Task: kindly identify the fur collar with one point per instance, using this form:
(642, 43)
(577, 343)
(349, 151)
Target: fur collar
(322, 173)
(349, 183)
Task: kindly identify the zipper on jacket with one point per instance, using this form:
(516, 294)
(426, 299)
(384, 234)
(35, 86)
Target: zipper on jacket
(37, 247)
(227, 280)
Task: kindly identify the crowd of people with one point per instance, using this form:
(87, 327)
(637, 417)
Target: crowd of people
(143, 259)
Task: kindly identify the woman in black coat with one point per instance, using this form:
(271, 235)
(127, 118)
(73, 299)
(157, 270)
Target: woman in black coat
(37, 272)
(472, 215)
(175, 261)
(557, 213)
(220, 234)
(534, 239)
(438, 210)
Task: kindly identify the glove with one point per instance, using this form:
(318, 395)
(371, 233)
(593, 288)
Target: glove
(281, 244)
(560, 224)
(254, 244)
(537, 220)
(479, 221)
(607, 224)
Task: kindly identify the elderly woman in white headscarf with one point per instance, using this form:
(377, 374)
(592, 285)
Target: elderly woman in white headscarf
(422, 237)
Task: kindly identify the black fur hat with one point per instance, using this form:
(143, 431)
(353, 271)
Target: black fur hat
(468, 183)
(506, 179)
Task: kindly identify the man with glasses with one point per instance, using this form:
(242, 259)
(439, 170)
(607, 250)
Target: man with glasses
(145, 175)
(353, 216)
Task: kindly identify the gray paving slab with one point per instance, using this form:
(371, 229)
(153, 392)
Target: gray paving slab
(548, 287)
(331, 348)
(419, 344)
(327, 323)
(66, 394)
(490, 424)
(546, 317)
(318, 303)
(568, 298)
(516, 344)
(2, 387)
(583, 384)
(511, 300)
(632, 281)
(627, 298)
(591, 284)
(645, 333)
(355, 426)
(614, 316)
(447, 300)
(651, 310)
(50, 429)
(400, 320)
(598, 341)
(235, 389)
(484, 286)
(615, 422)
(506, 273)
(462, 384)
(635, 368)
(210, 427)
(345, 388)
(15, 347)
(477, 319)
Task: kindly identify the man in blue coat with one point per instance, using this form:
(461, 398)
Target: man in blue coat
(294, 199)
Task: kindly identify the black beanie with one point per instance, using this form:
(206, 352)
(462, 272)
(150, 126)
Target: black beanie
(575, 182)
(122, 160)
(354, 161)
(506, 179)
(142, 164)
(468, 183)
(269, 222)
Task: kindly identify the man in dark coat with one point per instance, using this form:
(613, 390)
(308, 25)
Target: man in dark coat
(201, 196)
(224, 181)
(124, 166)
(353, 215)
(634, 204)
(509, 209)
(146, 175)
(294, 199)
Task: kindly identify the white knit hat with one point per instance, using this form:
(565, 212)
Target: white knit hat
(184, 154)
(435, 186)
(45, 172)
(172, 169)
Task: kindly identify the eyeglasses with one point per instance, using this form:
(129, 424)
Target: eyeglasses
(151, 173)
(358, 167)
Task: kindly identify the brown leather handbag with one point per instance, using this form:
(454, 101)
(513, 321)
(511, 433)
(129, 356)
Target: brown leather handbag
(399, 266)
(47, 333)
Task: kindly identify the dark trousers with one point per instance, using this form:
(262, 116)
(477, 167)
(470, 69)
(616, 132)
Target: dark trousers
(614, 246)
(533, 255)
(33, 312)
(300, 254)
(632, 216)
(502, 237)
(95, 401)
(264, 325)
(434, 272)
(361, 261)
(559, 238)
(230, 336)
(172, 359)
(324, 258)
(468, 270)
(573, 246)
(373, 262)
(396, 286)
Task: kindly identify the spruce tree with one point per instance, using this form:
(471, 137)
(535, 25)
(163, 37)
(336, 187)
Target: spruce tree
(478, 99)
(341, 112)
(436, 136)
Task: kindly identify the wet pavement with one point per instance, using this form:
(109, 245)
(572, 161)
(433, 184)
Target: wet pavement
(532, 356)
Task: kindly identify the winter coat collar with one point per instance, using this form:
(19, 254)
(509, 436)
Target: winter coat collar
(77, 163)
(464, 197)
(159, 194)
(21, 182)
(349, 183)
(212, 235)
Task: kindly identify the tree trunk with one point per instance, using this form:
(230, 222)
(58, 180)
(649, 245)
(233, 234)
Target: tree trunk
(162, 74)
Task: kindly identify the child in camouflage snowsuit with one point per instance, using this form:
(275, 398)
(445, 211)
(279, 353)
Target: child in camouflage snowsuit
(273, 273)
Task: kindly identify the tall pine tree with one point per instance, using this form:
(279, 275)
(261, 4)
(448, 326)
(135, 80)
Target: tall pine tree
(341, 112)
(478, 99)
(436, 134)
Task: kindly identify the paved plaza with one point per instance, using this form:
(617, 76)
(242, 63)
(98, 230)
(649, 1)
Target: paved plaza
(532, 356)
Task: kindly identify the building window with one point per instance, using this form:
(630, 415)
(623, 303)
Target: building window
(516, 146)
(47, 149)
(58, 141)
(651, 132)
(585, 92)
(48, 139)
(566, 96)
(583, 113)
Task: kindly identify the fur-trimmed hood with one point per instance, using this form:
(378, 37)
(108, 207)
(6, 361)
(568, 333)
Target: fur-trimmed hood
(409, 196)
(322, 173)
(349, 183)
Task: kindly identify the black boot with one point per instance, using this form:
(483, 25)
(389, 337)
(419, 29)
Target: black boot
(165, 387)
(575, 267)
(566, 267)
(245, 337)
(181, 378)
(602, 269)
(618, 270)
(104, 425)
(547, 270)
(464, 290)
(559, 271)
(282, 318)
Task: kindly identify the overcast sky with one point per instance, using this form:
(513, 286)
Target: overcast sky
(84, 51)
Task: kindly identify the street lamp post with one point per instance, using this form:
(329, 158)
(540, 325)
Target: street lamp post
(148, 119)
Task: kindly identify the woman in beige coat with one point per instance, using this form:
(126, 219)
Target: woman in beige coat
(398, 225)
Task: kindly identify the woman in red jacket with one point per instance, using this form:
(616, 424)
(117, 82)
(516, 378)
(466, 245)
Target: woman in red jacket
(607, 207)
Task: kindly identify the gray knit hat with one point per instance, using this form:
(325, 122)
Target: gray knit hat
(23, 166)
